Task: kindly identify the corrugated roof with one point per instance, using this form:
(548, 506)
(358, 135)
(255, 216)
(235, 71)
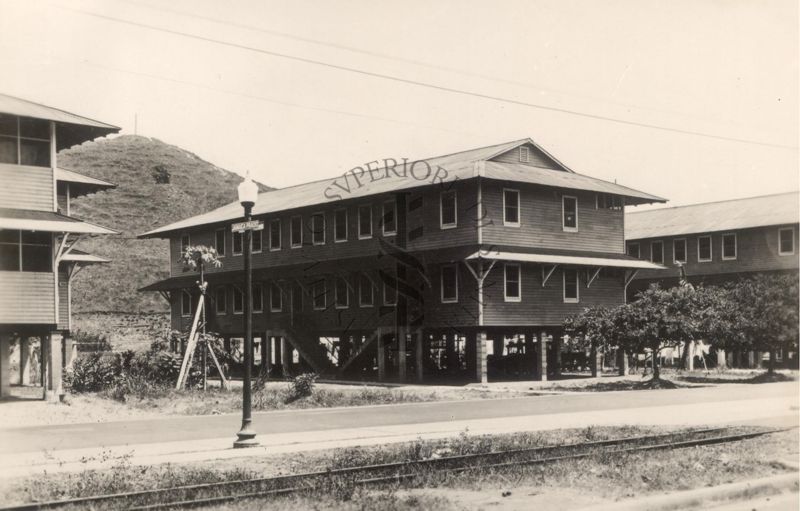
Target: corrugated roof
(80, 184)
(24, 108)
(79, 256)
(778, 209)
(71, 128)
(577, 259)
(47, 221)
(458, 166)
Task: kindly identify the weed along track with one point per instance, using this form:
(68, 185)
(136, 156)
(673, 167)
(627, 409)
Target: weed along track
(406, 473)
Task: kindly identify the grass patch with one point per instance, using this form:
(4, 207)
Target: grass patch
(648, 384)
(616, 476)
(749, 378)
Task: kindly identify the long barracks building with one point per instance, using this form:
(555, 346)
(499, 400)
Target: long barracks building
(38, 235)
(462, 266)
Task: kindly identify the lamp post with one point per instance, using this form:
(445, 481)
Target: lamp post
(248, 193)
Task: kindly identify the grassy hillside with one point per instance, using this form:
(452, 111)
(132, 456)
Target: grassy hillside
(138, 204)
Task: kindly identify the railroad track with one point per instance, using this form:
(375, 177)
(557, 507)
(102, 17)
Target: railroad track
(199, 495)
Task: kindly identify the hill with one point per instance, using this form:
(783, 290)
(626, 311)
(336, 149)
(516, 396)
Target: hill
(157, 184)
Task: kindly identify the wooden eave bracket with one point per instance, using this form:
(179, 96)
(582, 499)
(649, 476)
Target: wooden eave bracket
(629, 276)
(546, 274)
(593, 277)
(166, 295)
(480, 276)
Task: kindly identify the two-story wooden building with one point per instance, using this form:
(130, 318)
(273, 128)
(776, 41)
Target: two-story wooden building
(38, 257)
(435, 267)
(716, 242)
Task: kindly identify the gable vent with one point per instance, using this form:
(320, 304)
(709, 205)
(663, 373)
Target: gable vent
(524, 155)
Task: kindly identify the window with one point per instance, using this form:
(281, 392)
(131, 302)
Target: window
(365, 294)
(729, 246)
(633, 250)
(186, 303)
(657, 252)
(786, 241)
(24, 141)
(513, 291)
(342, 297)
(219, 242)
(258, 298)
(511, 207)
(390, 293)
(570, 286)
(340, 225)
(219, 300)
(449, 284)
(255, 241)
(447, 210)
(608, 201)
(26, 251)
(238, 301)
(569, 205)
(275, 298)
(524, 154)
(365, 221)
(296, 232)
(185, 242)
(704, 249)
(679, 250)
(275, 234)
(318, 228)
(238, 243)
(389, 219)
(318, 294)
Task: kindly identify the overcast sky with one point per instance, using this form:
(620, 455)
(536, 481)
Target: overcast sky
(725, 68)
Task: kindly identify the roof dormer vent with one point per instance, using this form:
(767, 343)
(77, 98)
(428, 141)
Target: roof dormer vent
(524, 155)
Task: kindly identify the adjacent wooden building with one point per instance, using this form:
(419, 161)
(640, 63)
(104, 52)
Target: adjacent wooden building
(461, 266)
(716, 242)
(38, 235)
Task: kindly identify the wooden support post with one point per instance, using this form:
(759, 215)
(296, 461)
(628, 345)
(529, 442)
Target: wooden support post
(451, 358)
(530, 355)
(381, 356)
(556, 340)
(721, 359)
(622, 362)
(24, 361)
(402, 338)
(419, 354)
(286, 357)
(266, 354)
(5, 364)
(541, 357)
(54, 388)
(480, 357)
(44, 356)
(594, 360)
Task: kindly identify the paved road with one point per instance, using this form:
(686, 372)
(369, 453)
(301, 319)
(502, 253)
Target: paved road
(174, 429)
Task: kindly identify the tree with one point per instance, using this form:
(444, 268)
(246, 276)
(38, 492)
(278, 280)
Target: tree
(765, 309)
(592, 328)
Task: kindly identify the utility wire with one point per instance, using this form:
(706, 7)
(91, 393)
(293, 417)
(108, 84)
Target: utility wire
(409, 81)
(362, 51)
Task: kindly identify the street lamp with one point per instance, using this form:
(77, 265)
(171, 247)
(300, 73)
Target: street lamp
(248, 193)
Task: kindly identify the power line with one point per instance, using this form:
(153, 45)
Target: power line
(386, 56)
(409, 81)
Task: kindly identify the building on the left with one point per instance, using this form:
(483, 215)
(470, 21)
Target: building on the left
(38, 237)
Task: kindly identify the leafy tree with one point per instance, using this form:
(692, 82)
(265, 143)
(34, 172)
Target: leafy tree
(593, 327)
(765, 313)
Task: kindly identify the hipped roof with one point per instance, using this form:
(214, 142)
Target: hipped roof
(766, 210)
(71, 128)
(47, 221)
(458, 167)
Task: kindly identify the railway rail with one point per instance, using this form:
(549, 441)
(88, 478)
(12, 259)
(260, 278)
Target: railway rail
(200, 495)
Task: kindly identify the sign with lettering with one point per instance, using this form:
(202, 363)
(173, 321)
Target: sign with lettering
(252, 225)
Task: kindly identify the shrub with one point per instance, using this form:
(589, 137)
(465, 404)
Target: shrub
(301, 386)
(92, 373)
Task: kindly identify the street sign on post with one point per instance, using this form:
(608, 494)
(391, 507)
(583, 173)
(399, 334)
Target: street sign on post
(252, 225)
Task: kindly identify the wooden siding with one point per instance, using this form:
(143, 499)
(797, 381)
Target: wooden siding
(545, 305)
(463, 313)
(757, 250)
(63, 301)
(599, 230)
(27, 297)
(424, 225)
(26, 187)
(536, 158)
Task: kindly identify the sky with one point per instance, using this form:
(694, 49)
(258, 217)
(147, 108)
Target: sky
(290, 90)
